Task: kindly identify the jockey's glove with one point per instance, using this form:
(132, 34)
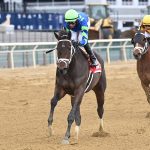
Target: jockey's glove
(75, 44)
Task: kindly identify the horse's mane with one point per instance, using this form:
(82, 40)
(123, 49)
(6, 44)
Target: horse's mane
(63, 34)
(138, 34)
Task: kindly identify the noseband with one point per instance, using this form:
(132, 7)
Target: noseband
(72, 52)
(137, 46)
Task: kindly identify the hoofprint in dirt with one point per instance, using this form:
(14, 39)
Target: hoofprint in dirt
(24, 107)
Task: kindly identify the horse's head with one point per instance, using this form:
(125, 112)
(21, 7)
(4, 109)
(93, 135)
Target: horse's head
(140, 45)
(65, 49)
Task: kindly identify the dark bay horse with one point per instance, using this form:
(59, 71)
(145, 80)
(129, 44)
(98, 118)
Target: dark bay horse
(141, 52)
(71, 78)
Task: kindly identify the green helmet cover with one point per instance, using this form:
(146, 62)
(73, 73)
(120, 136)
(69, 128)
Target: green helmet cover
(71, 15)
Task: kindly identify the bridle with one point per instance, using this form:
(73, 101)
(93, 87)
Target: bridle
(137, 46)
(72, 52)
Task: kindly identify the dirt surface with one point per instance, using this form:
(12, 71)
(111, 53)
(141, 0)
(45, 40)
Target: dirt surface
(24, 108)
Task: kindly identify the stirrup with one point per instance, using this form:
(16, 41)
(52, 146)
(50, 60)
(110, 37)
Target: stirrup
(93, 64)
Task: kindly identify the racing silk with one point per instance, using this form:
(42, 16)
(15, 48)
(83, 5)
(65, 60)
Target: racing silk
(147, 35)
(147, 32)
(81, 26)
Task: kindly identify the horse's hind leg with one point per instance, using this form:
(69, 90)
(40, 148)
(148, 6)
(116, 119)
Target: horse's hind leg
(57, 96)
(99, 91)
(100, 109)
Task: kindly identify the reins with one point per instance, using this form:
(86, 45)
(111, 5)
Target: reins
(71, 54)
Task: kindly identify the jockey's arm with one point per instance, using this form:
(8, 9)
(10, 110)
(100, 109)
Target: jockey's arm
(84, 32)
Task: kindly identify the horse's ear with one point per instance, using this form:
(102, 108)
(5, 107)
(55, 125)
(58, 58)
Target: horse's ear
(132, 41)
(69, 35)
(57, 36)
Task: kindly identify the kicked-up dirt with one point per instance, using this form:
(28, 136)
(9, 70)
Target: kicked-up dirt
(25, 102)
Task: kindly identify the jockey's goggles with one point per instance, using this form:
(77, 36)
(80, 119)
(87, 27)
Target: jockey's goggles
(71, 23)
(146, 26)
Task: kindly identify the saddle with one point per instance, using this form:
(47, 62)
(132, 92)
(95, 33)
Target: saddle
(92, 69)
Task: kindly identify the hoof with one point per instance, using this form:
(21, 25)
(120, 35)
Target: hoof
(100, 134)
(148, 115)
(65, 142)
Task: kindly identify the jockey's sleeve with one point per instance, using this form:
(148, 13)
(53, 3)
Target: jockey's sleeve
(84, 32)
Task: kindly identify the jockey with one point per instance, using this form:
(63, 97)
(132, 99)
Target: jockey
(78, 24)
(145, 26)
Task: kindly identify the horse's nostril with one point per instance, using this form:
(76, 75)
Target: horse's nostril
(63, 71)
(62, 65)
(137, 56)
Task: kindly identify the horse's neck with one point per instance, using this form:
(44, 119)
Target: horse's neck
(81, 56)
(145, 58)
(79, 62)
(147, 55)
(143, 64)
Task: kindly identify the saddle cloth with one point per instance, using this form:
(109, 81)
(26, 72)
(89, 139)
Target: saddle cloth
(96, 69)
(92, 71)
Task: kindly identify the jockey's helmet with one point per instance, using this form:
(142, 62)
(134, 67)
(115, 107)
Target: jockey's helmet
(71, 15)
(146, 23)
(146, 20)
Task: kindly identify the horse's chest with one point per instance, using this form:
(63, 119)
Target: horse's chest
(144, 72)
(67, 85)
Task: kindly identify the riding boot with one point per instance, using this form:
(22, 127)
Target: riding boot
(91, 54)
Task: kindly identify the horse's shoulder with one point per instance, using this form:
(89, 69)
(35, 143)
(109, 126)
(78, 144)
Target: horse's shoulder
(83, 51)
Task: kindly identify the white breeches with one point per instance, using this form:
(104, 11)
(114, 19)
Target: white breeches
(147, 34)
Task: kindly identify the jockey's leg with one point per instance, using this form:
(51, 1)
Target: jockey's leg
(91, 54)
(88, 50)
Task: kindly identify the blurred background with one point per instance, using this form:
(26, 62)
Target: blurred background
(27, 26)
(34, 20)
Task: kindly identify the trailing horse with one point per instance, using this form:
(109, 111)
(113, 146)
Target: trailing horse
(141, 53)
(72, 77)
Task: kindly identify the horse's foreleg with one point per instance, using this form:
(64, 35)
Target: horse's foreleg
(57, 96)
(77, 119)
(147, 91)
(71, 117)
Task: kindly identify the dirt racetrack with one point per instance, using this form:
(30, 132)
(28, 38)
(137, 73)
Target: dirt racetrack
(24, 109)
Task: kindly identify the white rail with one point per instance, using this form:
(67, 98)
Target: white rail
(106, 48)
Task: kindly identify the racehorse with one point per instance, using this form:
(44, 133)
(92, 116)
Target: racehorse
(71, 78)
(128, 33)
(141, 53)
